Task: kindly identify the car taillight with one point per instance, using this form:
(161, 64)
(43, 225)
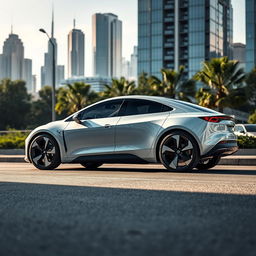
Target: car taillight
(216, 119)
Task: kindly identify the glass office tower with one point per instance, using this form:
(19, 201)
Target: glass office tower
(182, 32)
(250, 35)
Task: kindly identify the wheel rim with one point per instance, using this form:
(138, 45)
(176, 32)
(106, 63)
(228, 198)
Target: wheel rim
(177, 151)
(43, 151)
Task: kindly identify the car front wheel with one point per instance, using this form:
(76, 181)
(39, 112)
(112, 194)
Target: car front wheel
(44, 152)
(178, 151)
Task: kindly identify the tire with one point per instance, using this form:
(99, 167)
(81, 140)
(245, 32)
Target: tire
(208, 164)
(91, 166)
(179, 151)
(44, 152)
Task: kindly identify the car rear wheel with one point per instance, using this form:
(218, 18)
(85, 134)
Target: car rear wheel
(91, 166)
(208, 164)
(44, 152)
(178, 151)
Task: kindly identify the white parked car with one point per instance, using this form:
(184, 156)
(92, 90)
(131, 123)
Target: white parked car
(245, 129)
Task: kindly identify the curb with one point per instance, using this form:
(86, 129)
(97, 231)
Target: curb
(229, 160)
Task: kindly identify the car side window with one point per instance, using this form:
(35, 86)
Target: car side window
(140, 107)
(239, 129)
(102, 110)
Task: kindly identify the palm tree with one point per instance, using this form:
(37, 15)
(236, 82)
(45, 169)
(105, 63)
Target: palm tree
(119, 87)
(173, 85)
(74, 97)
(144, 86)
(220, 75)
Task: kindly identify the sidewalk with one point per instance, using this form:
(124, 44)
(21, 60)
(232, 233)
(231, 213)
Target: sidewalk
(228, 160)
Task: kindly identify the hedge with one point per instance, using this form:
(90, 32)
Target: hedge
(14, 140)
(246, 141)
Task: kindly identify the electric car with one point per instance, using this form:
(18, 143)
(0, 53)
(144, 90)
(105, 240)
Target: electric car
(135, 129)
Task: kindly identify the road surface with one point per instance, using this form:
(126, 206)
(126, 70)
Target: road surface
(127, 210)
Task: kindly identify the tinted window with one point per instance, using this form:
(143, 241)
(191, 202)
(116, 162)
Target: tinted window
(140, 107)
(102, 110)
(250, 128)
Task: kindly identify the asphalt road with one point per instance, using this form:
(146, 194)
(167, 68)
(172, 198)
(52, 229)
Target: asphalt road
(127, 210)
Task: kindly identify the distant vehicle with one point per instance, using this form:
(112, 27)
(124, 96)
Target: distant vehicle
(245, 129)
(135, 129)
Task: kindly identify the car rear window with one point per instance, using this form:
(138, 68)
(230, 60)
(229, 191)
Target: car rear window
(250, 128)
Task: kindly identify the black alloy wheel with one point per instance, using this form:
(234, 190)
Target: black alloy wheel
(178, 151)
(44, 152)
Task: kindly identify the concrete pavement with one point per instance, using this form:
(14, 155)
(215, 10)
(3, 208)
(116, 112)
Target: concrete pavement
(127, 210)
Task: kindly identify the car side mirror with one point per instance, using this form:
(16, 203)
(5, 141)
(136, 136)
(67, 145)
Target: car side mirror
(76, 118)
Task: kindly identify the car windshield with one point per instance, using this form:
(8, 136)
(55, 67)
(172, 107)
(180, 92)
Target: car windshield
(250, 128)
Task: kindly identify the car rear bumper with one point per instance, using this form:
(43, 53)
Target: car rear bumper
(223, 148)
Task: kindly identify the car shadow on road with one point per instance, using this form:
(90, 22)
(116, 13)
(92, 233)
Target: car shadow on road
(162, 169)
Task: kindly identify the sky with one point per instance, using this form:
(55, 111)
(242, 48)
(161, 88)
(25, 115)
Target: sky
(27, 16)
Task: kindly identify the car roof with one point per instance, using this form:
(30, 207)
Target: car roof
(169, 102)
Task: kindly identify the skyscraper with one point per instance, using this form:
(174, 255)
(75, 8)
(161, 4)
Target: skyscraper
(250, 35)
(27, 74)
(12, 62)
(46, 70)
(182, 32)
(239, 53)
(134, 63)
(75, 52)
(107, 45)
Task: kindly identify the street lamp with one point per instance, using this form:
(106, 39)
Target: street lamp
(53, 73)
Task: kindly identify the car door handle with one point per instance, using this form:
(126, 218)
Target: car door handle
(107, 125)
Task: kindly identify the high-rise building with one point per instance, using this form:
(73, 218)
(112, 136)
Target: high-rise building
(75, 52)
(46, 69)
(250, 35)
(60, 75)
(34, 84)
(107, 45)
(239, 53)
(12, 62)
(182, 32)
(126, 68)
(27, 74)
(134, 63)
(129, 67)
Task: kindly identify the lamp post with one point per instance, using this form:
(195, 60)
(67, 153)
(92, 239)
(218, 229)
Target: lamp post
(53, 73)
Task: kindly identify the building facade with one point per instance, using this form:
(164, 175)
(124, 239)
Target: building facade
(182, 32)
(76, 46)
(107, 45)
(250, 35)
(13, 65)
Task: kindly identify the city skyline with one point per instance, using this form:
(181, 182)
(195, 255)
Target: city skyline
(36, 44)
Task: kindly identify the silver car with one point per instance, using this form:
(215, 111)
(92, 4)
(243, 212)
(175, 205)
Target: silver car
(135, 129)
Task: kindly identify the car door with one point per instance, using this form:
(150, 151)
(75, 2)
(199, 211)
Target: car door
(96, 132)
(140, 122)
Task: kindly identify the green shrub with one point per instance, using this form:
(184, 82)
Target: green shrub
(14, 140)
(247, 141)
